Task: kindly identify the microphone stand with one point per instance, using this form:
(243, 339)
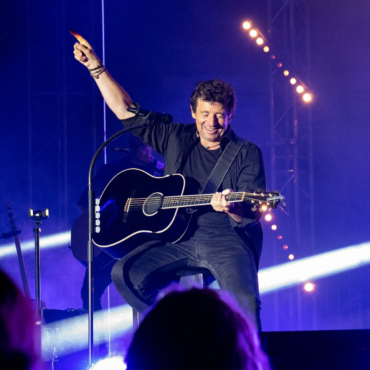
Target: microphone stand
(94, 206)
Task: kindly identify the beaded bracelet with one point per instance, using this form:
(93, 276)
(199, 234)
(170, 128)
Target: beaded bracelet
(96, 74)
(93, 69)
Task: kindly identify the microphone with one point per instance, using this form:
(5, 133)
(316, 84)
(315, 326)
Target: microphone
(152, 117)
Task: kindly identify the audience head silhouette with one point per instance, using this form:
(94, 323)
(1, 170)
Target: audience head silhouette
(196, 329)
(17, 328)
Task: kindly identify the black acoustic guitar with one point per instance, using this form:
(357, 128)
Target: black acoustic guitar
(135, 202)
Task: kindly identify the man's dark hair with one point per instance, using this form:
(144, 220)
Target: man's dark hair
(214, 91)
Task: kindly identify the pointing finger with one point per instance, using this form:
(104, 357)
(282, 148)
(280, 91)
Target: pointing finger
(81, 40)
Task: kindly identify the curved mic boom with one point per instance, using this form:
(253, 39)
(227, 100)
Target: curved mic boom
(151, 116)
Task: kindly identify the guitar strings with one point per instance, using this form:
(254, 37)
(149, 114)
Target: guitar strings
(232, 197)
(136, 203)
(187, 197)
(183, 199)
(174, 199)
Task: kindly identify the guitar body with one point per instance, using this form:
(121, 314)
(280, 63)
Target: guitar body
(121, 220)
(135, 202)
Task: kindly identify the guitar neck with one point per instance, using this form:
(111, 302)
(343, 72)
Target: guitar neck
(22, 268)
(197, 200)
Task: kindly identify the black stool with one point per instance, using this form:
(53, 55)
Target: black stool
(189, 276)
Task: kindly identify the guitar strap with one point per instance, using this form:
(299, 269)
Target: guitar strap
(222, 167)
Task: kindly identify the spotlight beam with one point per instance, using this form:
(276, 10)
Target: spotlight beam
(52, 241)
(70, 335)
(319, 266)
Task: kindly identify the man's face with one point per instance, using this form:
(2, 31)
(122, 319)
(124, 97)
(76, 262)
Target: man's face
(212, 120)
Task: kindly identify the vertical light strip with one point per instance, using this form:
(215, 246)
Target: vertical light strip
(104, 105)
(105, 160)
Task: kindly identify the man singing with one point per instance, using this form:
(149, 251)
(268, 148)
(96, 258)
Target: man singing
(225, 238)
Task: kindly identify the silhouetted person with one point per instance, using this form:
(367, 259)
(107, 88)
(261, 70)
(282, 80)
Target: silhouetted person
(17, 329)
(196, 329)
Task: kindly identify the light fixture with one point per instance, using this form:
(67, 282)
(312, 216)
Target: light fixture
(253, 33)
(268, 217)
(300, 89)
(273, 227)
(286, 73)
(259, 41)
(291, 257)
(307, 97)
(266, 49)
(247, 25)
(293, 81)
(309, 287)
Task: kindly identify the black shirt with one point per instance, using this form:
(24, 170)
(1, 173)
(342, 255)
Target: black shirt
(197, 170)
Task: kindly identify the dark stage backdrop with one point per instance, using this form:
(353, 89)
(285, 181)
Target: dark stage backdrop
(52, 122)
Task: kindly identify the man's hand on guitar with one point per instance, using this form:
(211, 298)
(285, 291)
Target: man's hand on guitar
(220, 204)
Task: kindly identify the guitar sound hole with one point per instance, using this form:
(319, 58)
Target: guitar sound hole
(152, 204)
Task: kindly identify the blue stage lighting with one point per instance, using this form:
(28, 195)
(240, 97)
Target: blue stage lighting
(110, 363)
(52, 241)
(71, 335)
(325, 264)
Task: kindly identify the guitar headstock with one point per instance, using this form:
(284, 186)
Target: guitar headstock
(264, 200)
(13, 222)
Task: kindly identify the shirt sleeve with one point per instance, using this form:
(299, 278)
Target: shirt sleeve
(156, 136)
(250, 178)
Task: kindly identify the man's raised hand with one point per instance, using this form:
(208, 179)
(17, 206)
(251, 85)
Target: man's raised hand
(84, 52)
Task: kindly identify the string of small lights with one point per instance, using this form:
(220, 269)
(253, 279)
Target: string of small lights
(301, 89)
(294, 80)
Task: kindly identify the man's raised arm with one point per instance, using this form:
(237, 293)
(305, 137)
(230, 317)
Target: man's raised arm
(114, 95)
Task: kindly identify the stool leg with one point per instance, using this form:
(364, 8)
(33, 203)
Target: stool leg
(199, 280)
(135, 318)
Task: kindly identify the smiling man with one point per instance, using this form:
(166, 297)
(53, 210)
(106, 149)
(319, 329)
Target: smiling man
(225, 238)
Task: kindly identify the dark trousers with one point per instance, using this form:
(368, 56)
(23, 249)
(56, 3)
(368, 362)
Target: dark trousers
(140, 275)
